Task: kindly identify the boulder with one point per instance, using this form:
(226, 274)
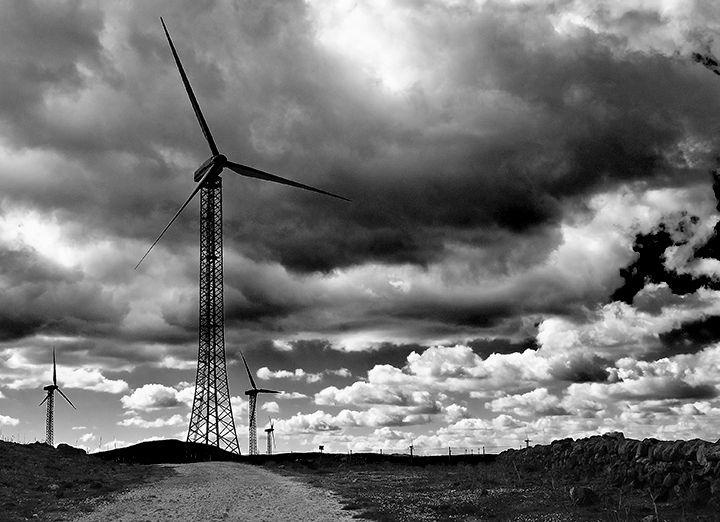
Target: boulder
(671, 452)
(583, 496)
(712, 452)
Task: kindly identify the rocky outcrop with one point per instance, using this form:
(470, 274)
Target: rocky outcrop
(668, 469)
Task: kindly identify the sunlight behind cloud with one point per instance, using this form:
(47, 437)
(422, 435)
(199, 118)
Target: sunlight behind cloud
(22, 228)
(372, 35)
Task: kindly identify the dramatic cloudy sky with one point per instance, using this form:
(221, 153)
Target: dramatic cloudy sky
(529, 249)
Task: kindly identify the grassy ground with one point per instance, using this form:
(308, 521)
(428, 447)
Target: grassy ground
(480, 492)
(44, 484)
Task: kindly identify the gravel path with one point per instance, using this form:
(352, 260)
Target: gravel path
(222, 491)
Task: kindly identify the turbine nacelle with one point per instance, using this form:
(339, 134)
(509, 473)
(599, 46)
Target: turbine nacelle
(216, 162)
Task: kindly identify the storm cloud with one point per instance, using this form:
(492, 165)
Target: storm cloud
(532, 242)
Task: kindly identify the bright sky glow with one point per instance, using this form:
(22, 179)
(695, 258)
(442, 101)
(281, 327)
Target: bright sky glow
(374, 36)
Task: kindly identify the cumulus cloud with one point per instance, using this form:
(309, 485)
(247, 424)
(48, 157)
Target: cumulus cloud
(365, 393)
(87, 437)
(455, 412)
(19, 372)
(151, 397)
(536, 402)
(301, 375)
(291, 395)
(175, 420)
(298, 374)
(6, 420)
(270, 407)
(320, 421)
(93, 380)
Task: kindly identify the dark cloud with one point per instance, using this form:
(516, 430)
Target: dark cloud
(670, 389)
(563, 117)
(511, 124)
(711, 249)
(599, 118)
(581, 369)
(39, 297)
(553, 411)
(650, 264)
(691, 337)
(486, 347)
(317, 356)
(43, 49)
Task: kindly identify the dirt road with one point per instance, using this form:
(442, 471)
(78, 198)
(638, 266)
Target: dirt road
(222, 491)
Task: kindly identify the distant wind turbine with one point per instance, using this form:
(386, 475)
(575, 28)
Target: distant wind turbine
(50, 400)
(270, 435)
(211, 419)
(252, 394)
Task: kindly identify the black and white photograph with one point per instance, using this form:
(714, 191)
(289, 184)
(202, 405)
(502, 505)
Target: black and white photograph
(465, 253)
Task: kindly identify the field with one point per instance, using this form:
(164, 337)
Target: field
(483, 492)
(43, 484)
(40, 483)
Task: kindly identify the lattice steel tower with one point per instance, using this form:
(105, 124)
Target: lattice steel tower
(211, 419)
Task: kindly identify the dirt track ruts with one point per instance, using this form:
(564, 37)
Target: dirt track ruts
(221, 491)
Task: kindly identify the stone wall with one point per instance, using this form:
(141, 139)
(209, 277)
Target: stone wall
(668, 469)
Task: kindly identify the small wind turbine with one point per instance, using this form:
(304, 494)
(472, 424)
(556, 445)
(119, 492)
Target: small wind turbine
(50, 400)
(252, 409)
(270, 435)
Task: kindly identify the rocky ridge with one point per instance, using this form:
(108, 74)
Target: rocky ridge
(669, 470)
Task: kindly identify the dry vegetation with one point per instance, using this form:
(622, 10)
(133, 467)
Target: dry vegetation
(44, 484)
(41, 483)
(483, 492)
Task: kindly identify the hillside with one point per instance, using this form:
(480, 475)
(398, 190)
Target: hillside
(601, 478)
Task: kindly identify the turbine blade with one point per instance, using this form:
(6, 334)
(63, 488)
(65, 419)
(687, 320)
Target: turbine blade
(54, 369)
(191, 95)
(265, 390)
(251, 172)
(65, 397)
(252, 381)
(46, 398)
(187, 202)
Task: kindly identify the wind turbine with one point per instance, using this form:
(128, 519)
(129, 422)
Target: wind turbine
(50, 400)
(270, 435)
(252, 394)
(211, 419)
